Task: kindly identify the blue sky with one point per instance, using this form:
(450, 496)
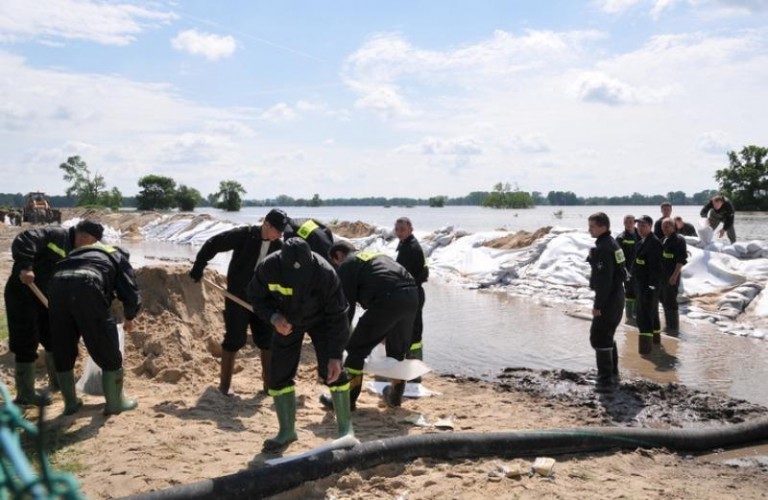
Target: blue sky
(397, 98)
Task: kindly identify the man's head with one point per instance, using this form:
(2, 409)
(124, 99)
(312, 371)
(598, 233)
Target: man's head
(339, 251)
(644, 225)
(87, 233)
(717, 201)
(679, 222)
(273, 225)
(629, 223)
(403, 228)
(668, 226)
(666, 209)
(599, 223)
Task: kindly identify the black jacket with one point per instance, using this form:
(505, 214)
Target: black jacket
(245, 244)
(687, 230)
(308, 296)
(368, 276)
(608, 270)
(674, 251)
(628, 243)
(657, 231)
(116, 275)
(39, 250)
(726, 212)
(411, 257)
(319, 237)
(646, 268)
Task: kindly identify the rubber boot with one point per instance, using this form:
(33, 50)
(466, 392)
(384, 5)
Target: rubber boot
(227, 368)
(645, 343)
(393, 393)
(629, 312)
(67, 384)
(50, 366)
(416, 353)
(657, 337)
(25, 387)
(285, 406)
(343, 412)
(616, 374)
(266, 364)
(604, 358)
(355, 386)
(672, 321)
(113, 393)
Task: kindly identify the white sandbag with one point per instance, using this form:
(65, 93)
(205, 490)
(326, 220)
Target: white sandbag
(90, 382)
(377, 363)
(411, 390)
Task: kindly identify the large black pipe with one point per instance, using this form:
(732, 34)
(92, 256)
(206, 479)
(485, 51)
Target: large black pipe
(270, 480)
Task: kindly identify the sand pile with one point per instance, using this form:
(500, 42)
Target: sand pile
(357, 229)
(520, 239)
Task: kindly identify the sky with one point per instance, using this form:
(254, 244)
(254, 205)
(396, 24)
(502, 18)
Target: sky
(355, 98)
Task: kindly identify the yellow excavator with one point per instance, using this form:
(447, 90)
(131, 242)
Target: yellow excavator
(36, 210)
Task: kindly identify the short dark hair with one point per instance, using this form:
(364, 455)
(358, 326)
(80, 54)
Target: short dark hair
(600, 219)
(404, 220)
(90, 227)
(718, 197)
(342, 246)
(665, 204)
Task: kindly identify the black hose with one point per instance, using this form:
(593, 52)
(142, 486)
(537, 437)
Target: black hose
(270, 480)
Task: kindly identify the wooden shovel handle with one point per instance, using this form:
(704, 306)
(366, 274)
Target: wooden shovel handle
(232, 297)
(40, 295)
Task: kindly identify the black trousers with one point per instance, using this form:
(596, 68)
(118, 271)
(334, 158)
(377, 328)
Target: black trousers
(28, 325)
(237, 319)
(390, 319)
(286, 355)
(78, 308)
(604, 326)
(668, 295)
(418, 322)
(647, 310)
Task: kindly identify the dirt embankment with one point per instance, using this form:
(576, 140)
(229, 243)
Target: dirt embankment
(520, 239)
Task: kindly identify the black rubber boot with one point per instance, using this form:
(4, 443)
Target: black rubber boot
(393, 393)
(616, 374)
(629, 312)
(25, 387)
(227, 369)
(265, 355)
(604, 358)
(672, 320)
(50, 367)
(645, 343)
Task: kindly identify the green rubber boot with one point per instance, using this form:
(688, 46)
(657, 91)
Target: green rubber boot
(25, 387)
(67, 384)
(343, 412)
(50, 367)
(113, 393)
(285, 406)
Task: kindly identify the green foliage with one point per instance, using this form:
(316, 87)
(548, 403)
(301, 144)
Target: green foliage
(87, 188)
(187, 198)
(437, 201)
(316, 201)
(562, 198)
(504, 197)
(157, 193)
(745, 180)
(112, 198)
(228, 197)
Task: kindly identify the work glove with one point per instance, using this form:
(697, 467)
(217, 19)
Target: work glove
(196, 273)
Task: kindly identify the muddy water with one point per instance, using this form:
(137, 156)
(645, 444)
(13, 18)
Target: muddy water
(479, 333)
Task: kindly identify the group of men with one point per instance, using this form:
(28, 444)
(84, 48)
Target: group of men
(306, 283)
(61, 289)
(635, 272)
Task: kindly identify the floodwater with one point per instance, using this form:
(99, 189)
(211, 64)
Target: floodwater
(474, 332)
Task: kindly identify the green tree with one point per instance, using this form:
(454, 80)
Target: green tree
(112, 198)
(745, 181)
(437, 201)
(316, 201)
(503, 196)
(187, 198)
(228, 197)
(157, 193)
(86, 187)
(676, 197)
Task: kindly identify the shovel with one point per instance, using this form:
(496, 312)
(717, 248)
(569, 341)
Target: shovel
(230, 296)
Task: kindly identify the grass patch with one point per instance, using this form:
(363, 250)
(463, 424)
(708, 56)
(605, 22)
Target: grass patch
(58, 445)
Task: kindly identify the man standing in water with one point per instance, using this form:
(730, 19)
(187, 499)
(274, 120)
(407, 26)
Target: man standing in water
(628, 241)
(646, 270)
(674, 257)
(249, 245)
(607, 280)
(411, 257)
(720, 209)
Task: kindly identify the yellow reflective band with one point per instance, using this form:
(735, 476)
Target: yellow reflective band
(416, 345)
(646, 335)
(354, 372)
(629, 300)
(106, 248)
(619, 255)
(667, 255)
(340, 388)
(56, 249)
(283, 391)
(657, 331)
(366, 256)
(640, 261)
(306, 229)
(276, 287)
(627, 242)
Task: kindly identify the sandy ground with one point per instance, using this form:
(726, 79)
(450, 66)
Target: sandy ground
(185, 431)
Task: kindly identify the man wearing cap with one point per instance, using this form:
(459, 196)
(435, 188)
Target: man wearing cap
(82, 289)
(720, 209)
(674, 257)
(35, 252)
(318, 235)
(387, 292)
(298, 292)
(249, 245)
(646, 270)
(628, 241)
(607, 278)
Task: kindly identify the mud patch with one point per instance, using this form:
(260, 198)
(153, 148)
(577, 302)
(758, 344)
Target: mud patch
(520, 239)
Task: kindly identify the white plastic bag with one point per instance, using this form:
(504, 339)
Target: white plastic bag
(90, 382)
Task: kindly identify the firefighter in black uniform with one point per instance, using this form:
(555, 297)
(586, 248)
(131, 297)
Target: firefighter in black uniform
(607, 280)
(628, 241)
(82, 289)
(666, 211)
(249, 245)
(35, 252)
(674, 257)
(388, 294)
(684, 228)
(411, 256)
(317, 234)
(720, 209)
(646, 270)
(297, 291)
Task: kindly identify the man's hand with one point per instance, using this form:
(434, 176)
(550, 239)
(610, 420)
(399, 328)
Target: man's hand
(596, 313)
(128, 326)
(721, 233)
(196, 273)
(334, 370)
(281, 324)
(27, 276)
(673, 280)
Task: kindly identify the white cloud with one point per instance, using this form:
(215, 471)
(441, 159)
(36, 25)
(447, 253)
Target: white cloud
(600, 88)
(439, 146)
(208, 45)
(100, 22)
(529, 143)
(616, 6)
(714, 142)
(280, 112)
